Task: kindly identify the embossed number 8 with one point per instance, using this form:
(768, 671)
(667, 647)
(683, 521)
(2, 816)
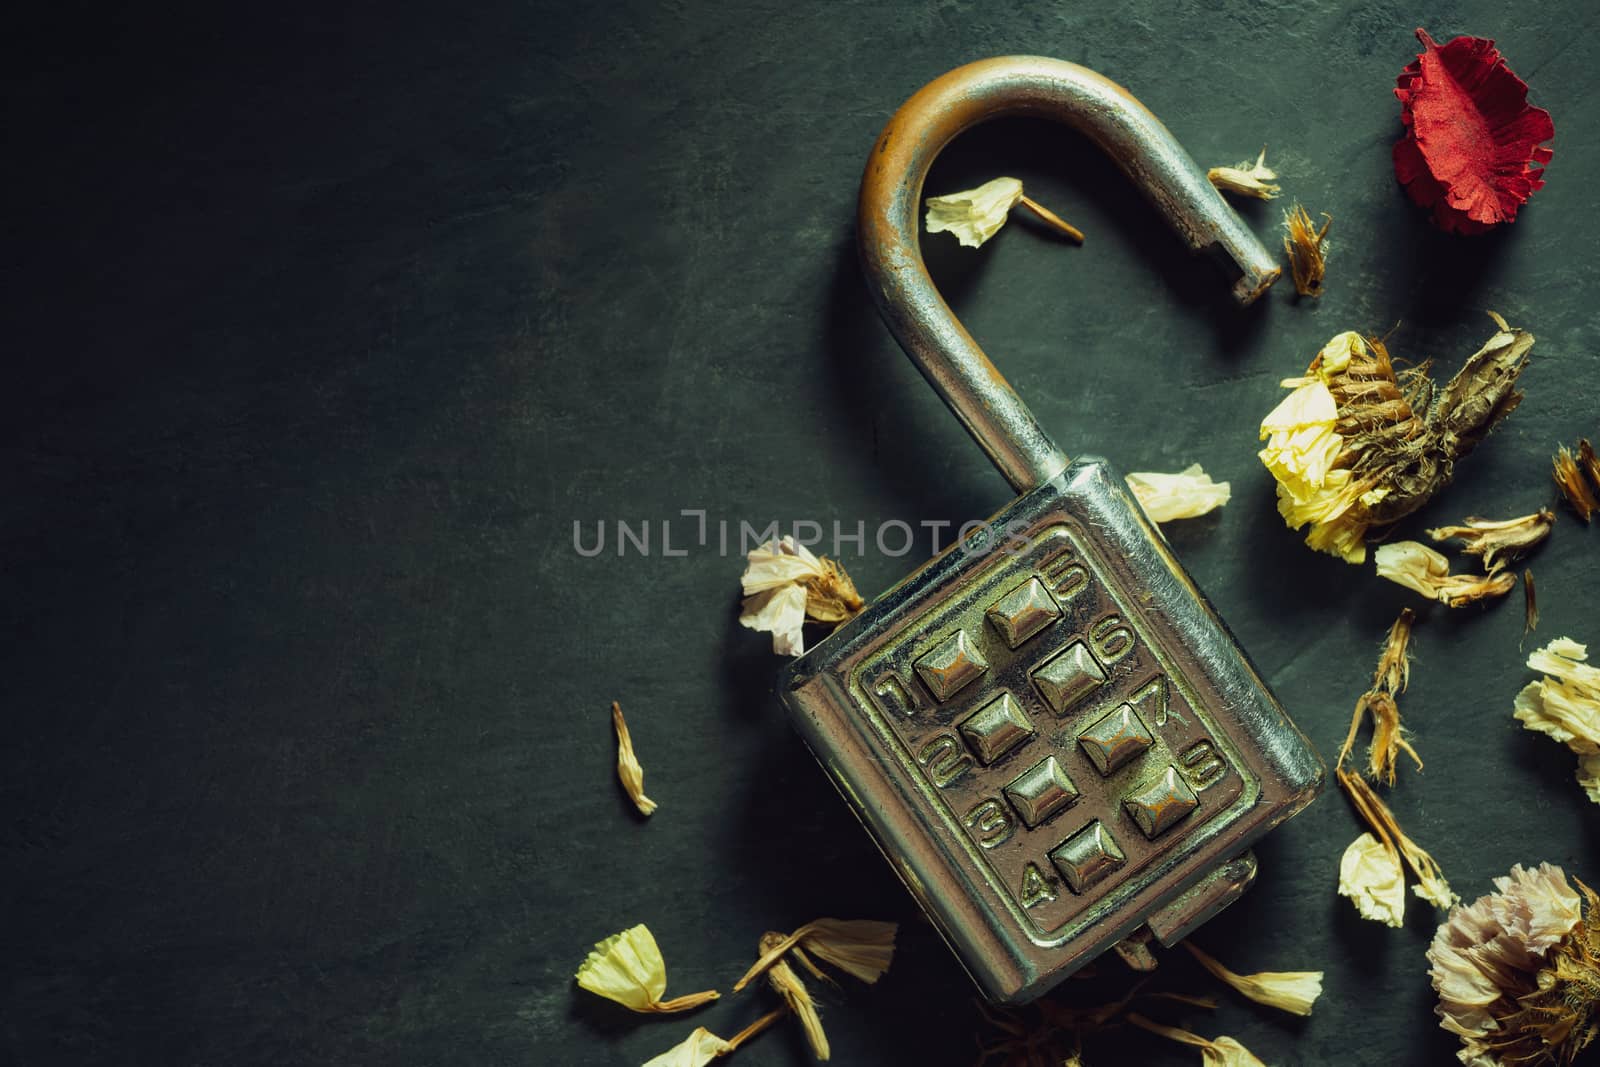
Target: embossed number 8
(1111, 639)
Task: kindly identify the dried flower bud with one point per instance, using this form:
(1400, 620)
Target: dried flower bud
(1431, 885)
(628, 768)
(1214, 1052)
(1565, 705)
(1291, 991)
(1304, 244)
(1518, 971)
(785, 585)
(1418, 567)
(793, 990)
(1371, 876)
(862, 948)
(1498, 543)
(628, 969)
(1390, 679)
(1185, 495)
(1579, 479)
(1246, 179)
(1391, 441)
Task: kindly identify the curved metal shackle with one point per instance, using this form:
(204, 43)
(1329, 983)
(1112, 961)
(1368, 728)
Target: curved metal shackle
(887, 228)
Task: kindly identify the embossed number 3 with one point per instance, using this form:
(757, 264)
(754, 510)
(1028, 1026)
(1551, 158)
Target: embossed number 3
(1111, 639)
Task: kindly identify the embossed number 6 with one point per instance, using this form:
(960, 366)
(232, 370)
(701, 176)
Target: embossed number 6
(1111, 639)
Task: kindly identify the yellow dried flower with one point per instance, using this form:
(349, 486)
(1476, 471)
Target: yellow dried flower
(1246, 179)
(785, 585)
(1565, 705)
(628, 969)
(1418, 567)
(1499, 543)
(1304, 244)
(1371, 876)
(702, 1046)
(1291, 991)
(1186, 495)
(1214, 1052)
(1391, 440)
(628, 769)
(696, 1050)
(1570, 474)
(975, 215)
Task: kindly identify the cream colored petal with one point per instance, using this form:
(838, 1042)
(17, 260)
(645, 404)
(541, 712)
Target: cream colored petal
(1336, 355)
(696, 1050)
(1309, 406)
(1413, 565)
(1246, 179)
(777, 563)
(629, 769)
(1371, 876)
(974, 215)
(1589, 776)
(1290, 991)
(780, 612)
(1436, 891)
(1185, 495)
(1226, 1052)
(626, 968)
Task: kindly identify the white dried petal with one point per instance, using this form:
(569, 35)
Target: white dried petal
(1185, 495)
(974, 215)
(1371, 876)
(1226, 1052)
(1419, 568)
(777, 563)
(780, 612)
(1565, 705)
(697, 1050)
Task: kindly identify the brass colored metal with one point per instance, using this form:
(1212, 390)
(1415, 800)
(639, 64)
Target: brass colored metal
(1047, 730)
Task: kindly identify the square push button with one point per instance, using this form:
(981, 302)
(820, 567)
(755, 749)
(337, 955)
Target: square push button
(1161, 804)
(996, 728)
(1116, 738)
(1087, 856)
(1070, 676)
(1023, 612)
(949, 665)
(1041, 791)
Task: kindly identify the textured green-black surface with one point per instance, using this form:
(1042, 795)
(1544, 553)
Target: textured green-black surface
(324, 328)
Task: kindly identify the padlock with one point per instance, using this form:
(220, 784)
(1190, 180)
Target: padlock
(1048, 731)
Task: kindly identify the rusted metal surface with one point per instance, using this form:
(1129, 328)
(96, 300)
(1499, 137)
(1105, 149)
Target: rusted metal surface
(888, 226)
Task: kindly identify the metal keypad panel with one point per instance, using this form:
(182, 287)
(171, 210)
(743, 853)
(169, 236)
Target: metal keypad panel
(1052, 732)
(1055, 740)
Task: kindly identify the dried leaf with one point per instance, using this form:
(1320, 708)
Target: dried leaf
(974, 215)
(1418, 567)
(628, 768)
(1246, 179)
(1530, 605)
(1185, 495)
(1474, 149)
(1583, 493)
(1499, 543)
(628, 969)
(1371, 876)
(1291, 991)
(1565, 705)
(1304, 244)
(785, 586)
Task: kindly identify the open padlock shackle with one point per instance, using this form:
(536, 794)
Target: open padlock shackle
(887, 228)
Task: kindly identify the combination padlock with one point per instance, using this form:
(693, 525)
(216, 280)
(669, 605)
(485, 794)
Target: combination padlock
(1050, 734)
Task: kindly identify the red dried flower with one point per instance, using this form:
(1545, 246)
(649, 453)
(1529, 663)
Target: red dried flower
(1473, 149)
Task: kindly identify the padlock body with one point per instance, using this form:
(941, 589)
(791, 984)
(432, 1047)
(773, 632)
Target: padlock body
(1050, 734)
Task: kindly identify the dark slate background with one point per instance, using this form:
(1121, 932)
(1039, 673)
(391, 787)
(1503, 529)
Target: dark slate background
(324, 324)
